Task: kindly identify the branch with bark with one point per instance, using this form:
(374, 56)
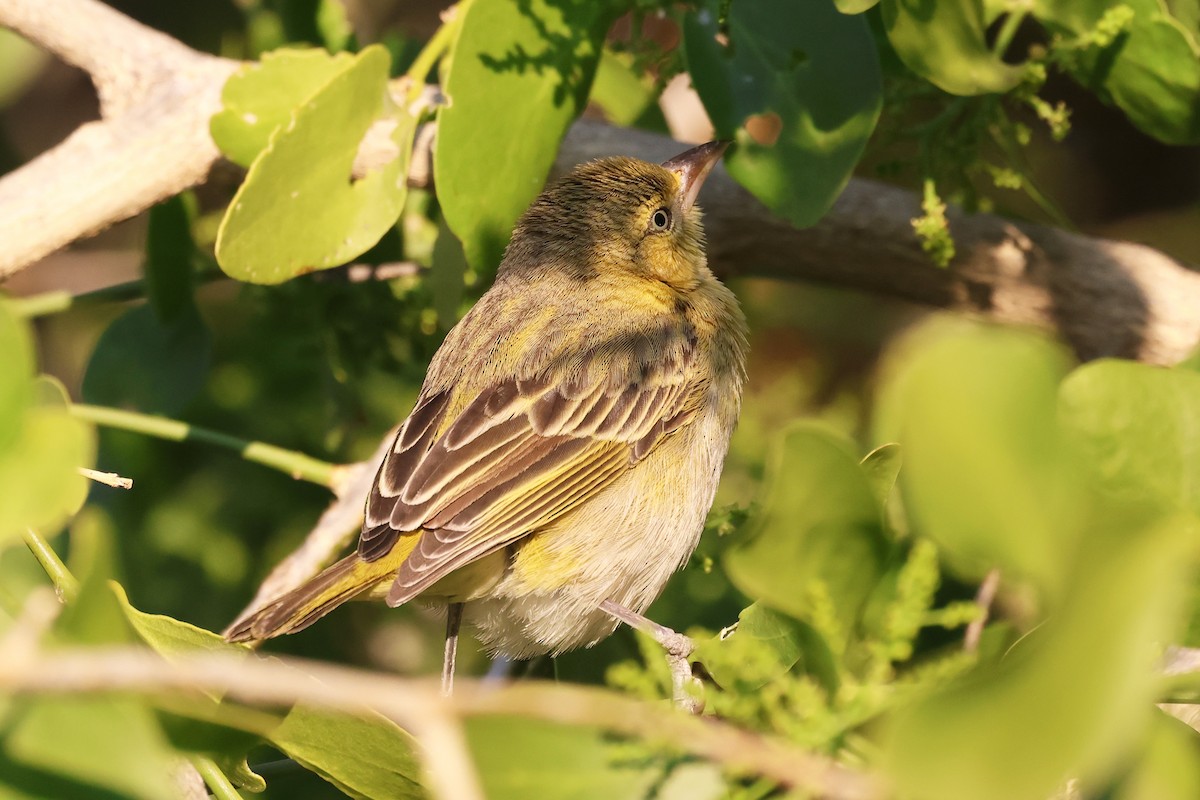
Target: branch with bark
(1105, 298)
(415, 705)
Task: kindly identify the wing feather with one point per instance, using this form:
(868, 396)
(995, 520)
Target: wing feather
(519, 455)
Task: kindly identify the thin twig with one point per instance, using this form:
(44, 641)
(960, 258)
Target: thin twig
(983, 598)
(107, 478)
(216, 780)
(418, 705)
(299, 465)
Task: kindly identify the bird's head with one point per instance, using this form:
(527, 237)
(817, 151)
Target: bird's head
(618, 217)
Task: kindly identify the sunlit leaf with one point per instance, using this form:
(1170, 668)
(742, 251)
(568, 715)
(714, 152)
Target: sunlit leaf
(1169, 767)
(40, 471)
(299, 210)
(626, 96)
(16, 372)
(262, 97)
(944, 41)
(519, 75)
(816, 547)
(807, 78)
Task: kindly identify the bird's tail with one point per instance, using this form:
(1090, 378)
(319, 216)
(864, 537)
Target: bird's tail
(304, 605)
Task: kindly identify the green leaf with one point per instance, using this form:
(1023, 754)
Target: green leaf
(627, 97)
(519, 75)
(40, 471)
(985, 473)
(1139, 427)
(107, 741)
(808, 76)
(522, 758)
(299, 210)
(20, 63)
(16, 371)
(945, 42)
(1143, 54)
(364, 756)
(169, 250)
(113, 742)
(816, 548)
(1169, 768)
(144, 363)
(763, 646)
(855, 6)
(263, 97)
(1072, 698)
(882, 467)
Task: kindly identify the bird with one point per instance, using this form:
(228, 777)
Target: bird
(567, 442)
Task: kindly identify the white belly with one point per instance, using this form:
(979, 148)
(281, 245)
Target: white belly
(622, 546)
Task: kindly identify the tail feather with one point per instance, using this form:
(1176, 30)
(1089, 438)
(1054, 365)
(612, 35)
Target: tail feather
(304, 605)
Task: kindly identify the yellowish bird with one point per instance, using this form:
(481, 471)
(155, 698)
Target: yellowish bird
(569, 436)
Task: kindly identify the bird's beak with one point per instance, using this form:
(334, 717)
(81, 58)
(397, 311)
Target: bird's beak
(692, 168)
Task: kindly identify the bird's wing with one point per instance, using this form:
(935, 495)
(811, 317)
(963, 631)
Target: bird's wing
(519, 455)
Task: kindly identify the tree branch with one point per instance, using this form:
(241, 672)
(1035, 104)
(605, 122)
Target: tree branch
(1105, 298)
(419, 707)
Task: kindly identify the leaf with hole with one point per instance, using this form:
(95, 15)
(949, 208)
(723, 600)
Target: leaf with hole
(797, 85)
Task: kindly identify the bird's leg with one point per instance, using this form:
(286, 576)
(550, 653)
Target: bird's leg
(679, 650)
(454, 612)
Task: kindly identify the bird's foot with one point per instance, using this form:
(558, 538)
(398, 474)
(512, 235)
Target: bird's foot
(686, 689)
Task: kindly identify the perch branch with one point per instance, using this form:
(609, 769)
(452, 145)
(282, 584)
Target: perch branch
(419, 707)
(1105, 298)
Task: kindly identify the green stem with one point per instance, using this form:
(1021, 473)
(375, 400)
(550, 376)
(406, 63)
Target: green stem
(1009, 29)
(434, 49)
(298, 465)
(46, 303)
(215, 779)
(64, 582)
(39, 305)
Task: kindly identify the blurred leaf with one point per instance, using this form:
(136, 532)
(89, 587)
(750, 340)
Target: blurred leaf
(522, 758)
(696, 780)
(985, 474)
(855, 6)
(299, 210)
(48, 391)
(1140, 430)
(147, 364)
(627, 98)
(169, 250)
(40, 471)
(16, 372)
(1169, 768)
(518, 77)
(882, 467)
(1143, 54)
(816, 547)
(114, 742)
(1071, 699)
(808, 76)
(945, 42)
(333, 25)
(365, 756)
(262, 97)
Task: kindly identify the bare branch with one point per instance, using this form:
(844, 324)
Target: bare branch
(1105, 298)
(419, 707)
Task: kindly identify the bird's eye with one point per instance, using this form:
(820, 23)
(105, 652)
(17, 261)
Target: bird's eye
(661, 219)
